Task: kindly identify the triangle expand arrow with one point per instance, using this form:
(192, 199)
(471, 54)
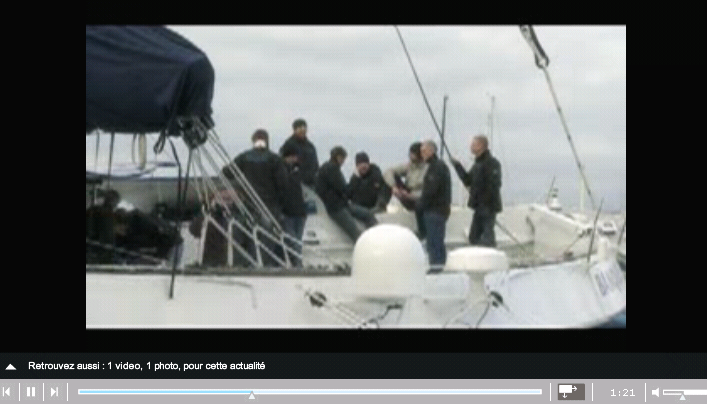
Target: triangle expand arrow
(10, 367)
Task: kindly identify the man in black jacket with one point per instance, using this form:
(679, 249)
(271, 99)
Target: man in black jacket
(367, 187)
(294, 207)
(307, 154)
(434, 204)
(266, 173)
(484, 182)
(332, 188)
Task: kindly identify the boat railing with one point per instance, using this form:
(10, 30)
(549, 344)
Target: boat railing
(244, 210)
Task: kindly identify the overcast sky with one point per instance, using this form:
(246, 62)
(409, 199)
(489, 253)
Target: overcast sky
(355, 88)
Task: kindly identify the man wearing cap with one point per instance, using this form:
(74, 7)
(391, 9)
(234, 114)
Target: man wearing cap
(367, 187)
(294, 207)
(332, 188)
(307, 154)
(484, 182)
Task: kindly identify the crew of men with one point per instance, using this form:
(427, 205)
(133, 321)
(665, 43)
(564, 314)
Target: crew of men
(422, 185)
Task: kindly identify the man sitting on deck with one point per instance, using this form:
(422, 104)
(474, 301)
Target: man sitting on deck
(367, 187)
(331, 187)
(410, 190)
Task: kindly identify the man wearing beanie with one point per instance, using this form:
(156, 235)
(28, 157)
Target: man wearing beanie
(367, 187)
(332, 188)
(307, 154)
(294, 201)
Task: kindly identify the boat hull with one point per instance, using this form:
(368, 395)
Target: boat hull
(567, 295)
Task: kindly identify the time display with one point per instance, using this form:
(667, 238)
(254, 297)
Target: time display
(623, 393)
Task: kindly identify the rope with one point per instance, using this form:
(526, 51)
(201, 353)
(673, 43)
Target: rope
(110, 160)
(542, 62)
(160, 143)
(619, 239)
(594, 229)
(427, 104)
(132, 148)
(570, 140)
(98, 141)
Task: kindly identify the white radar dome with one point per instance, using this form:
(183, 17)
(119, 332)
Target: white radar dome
(388, 262)
(477, 259)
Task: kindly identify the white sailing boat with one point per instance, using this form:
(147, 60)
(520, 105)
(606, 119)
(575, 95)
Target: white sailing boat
(381, 281)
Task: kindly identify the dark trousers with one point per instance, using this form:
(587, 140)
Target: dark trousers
(409, 204)
(421, 225)
(435, 241)
(345, 219)
(482, 228)
(295, 226)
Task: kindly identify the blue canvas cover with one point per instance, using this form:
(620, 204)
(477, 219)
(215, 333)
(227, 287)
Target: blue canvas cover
(139, 79)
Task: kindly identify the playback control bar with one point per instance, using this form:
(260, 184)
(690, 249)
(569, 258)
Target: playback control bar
(439, 391)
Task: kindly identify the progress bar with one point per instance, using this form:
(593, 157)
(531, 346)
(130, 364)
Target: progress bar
(317, 391)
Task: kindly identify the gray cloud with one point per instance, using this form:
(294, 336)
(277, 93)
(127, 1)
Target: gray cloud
(354, 86)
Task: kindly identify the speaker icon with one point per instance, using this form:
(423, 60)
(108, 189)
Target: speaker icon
(655, 392)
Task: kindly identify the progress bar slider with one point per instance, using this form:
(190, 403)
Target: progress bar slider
(315, 391)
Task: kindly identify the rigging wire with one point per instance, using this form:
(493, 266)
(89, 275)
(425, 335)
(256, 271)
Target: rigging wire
(427, 104)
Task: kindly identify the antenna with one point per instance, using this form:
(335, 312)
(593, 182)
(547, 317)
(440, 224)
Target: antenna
(548, 198)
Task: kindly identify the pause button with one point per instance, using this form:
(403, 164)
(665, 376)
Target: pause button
(31, 392)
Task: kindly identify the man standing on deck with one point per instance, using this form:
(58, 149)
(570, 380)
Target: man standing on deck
(484, 182)
(266, 172)
(434, 203)
(307, 154)
(294, 206)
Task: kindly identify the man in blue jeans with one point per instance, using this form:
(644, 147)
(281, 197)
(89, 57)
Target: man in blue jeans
(434, 203)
